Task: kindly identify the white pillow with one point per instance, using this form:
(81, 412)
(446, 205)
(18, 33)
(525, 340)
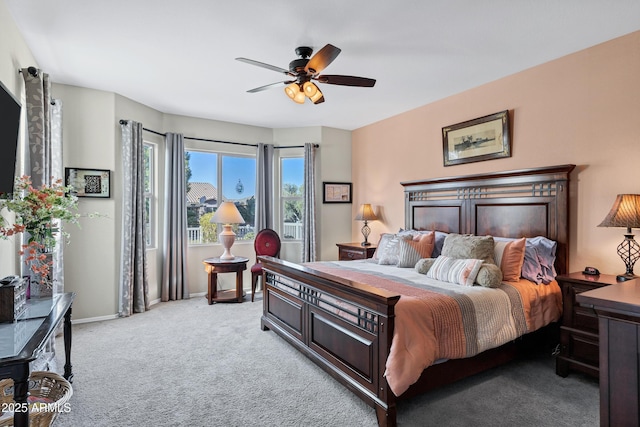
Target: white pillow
(452, 270)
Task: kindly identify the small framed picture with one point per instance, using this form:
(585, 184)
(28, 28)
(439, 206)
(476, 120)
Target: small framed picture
(484, 138)
(88, 182)
(336, 192)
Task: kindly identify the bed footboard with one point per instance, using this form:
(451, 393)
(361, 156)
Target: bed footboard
(345, 327)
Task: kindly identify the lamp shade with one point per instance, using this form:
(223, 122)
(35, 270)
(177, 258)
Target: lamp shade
(293, 91)
(310, 89)
(624, 213)
(365, 213)
(227, 213)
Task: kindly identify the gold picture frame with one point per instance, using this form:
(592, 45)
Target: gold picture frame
(484, 138)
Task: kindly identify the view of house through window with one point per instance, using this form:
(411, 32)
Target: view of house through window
(291, 197)
(211, 179)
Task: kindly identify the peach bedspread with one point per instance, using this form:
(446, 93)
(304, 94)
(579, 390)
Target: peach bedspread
(437, 320)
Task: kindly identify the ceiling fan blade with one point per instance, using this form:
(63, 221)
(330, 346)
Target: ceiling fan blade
(269, 86)
(334, 79)
(263, 65)
(322, 59)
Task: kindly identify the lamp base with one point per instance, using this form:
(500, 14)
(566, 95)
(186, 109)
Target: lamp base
(227, 237)
(625, 277)
(365, 233)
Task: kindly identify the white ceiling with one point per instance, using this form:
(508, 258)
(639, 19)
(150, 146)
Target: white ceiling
(178, 57)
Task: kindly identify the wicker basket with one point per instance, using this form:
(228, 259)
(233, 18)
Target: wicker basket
(42, 385)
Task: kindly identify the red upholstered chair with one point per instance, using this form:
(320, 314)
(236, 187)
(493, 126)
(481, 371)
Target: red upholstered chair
(267, 242)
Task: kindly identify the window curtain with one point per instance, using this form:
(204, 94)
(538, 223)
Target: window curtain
(174, 272)
(134, 279)
(38, 106)
(43, 159)
(264, 192)
(44, 153)
(309, 225)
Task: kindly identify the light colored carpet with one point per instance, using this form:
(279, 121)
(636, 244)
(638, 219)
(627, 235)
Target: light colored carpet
(186, 363)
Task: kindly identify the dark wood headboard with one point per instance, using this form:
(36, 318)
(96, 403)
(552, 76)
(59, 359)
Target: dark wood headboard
(519, 203)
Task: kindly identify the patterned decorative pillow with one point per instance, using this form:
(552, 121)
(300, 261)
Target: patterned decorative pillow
(387, 252)
(440, 236)
(411, 251)
(509, 256)
(469, 247)
(452, 270)
(489, 276)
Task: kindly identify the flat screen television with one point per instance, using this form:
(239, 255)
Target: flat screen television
(9, 128)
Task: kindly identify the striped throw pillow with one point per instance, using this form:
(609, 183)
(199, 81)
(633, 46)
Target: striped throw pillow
(452, 270)
(412, 251)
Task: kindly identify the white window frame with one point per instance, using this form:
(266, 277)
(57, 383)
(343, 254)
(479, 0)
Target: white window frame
(283, 198)
(150, 196)
(219, 160)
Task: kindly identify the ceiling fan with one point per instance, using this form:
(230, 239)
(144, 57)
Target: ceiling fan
(307, 68)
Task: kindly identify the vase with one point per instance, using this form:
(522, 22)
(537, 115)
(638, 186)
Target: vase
(39, 261)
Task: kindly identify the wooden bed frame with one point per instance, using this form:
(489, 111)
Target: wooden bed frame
(353, 346)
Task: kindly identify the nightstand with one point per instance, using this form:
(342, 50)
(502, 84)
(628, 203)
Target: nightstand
(354, 250)
(579, 339)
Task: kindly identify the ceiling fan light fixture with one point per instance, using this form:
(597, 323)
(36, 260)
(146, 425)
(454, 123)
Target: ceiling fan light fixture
(306, 68)
(294, 92)
(317, 98)
(310, 89)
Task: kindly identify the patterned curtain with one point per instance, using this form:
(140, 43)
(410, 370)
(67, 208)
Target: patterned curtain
(44, 153)
(264, 192)
(38, 105)
(44, 162)
(175, 285)
(309, 226)
(134, 279)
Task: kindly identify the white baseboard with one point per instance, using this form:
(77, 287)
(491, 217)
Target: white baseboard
(93, 319)
(115, 316)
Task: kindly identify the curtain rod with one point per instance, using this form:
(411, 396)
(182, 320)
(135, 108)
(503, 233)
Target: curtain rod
(122, 122)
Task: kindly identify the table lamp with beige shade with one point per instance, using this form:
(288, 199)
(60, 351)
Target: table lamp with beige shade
(625, 213)
(227, 214)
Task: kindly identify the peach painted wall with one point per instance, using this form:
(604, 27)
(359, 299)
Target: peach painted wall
(582, 109)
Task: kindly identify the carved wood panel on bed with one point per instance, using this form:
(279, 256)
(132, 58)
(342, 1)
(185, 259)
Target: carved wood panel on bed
(346, 327)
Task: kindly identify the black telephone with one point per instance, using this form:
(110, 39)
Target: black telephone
(8, 280)
(591, 271)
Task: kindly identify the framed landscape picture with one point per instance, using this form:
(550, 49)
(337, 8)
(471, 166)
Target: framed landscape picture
(89, 182)
(336, 192)
(484, 138)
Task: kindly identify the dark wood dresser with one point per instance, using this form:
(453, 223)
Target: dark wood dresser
(579, 326)
(618, 311)
(354, 250)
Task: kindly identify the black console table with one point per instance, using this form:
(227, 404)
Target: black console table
(23, 340)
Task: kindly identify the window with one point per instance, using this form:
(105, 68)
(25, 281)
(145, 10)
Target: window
(149, 193)
(213, 177)
(292, 197)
